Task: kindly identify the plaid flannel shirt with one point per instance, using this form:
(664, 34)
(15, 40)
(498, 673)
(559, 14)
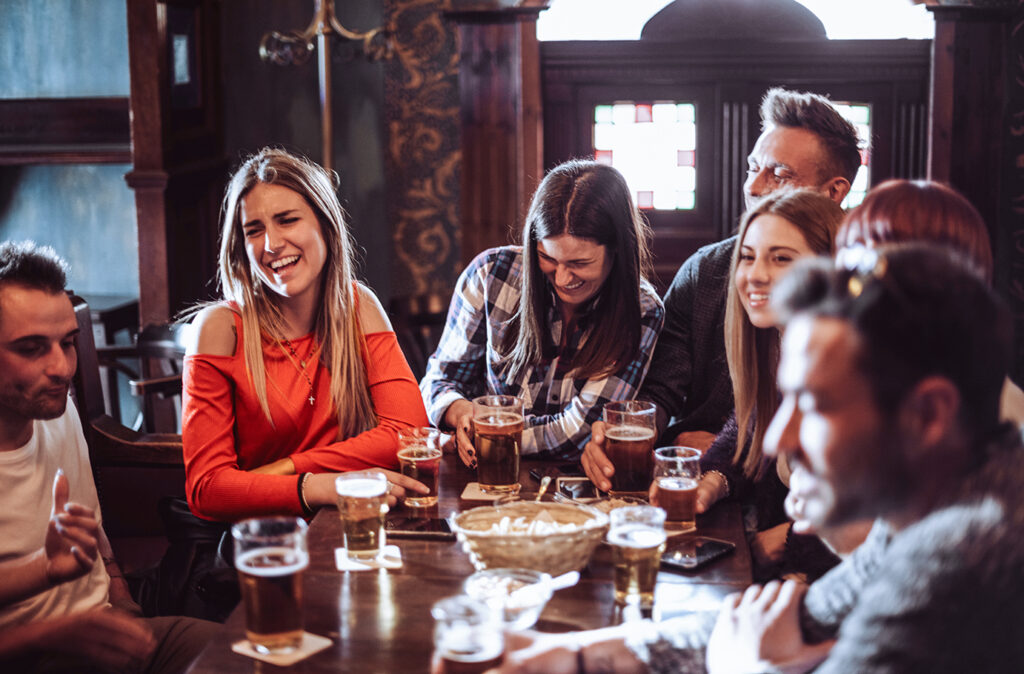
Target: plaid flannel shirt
(559, 408)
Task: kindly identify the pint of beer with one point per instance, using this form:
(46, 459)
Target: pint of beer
(419, 455)
(637, 537)
(270, 555)
(629, 444)
(497, 439)
(468, 636)
(362, 506)
(676, 476)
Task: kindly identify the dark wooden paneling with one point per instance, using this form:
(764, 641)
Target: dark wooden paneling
(64, 130)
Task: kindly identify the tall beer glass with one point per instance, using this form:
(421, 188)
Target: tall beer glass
(498, 438)
(629, 444)
(637, 537)
(362, 506)
(468, 636)
(676, 475)
(270, 555)
(419, 455)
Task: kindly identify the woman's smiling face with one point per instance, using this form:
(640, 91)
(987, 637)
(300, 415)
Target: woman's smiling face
(768, 250)
(575, 267)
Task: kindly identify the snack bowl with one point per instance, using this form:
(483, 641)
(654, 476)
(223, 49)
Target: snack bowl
(544, 536)
(518, 595)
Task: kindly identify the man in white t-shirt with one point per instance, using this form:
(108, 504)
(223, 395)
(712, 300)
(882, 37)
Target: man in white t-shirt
(57, 600)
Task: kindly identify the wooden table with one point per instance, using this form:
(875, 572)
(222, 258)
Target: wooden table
(380, 620)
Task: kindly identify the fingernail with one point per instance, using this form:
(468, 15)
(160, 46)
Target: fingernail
(472, 464)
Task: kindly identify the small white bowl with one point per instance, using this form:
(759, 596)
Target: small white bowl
(519, 595)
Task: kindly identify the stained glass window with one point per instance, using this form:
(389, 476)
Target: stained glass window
(654, 146)
(860, 116)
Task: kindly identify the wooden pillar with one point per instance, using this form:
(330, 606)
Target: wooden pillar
(502, 135)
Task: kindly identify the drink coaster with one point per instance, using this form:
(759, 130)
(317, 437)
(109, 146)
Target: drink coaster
(391, 558)
(472, 492)
(311, 643)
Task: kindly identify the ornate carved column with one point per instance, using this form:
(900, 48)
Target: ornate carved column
(502, 135)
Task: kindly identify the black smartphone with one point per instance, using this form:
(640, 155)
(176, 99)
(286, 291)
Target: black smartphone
(434, 528)
(559, 470)
(576, 487)
(693, 553)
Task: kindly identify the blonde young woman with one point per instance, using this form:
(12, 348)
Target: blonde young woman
(774, 234)
(296, 375)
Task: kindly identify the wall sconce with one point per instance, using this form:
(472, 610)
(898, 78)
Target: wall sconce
(296, 48)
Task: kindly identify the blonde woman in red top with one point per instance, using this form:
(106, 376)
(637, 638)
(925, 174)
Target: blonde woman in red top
(296, 375)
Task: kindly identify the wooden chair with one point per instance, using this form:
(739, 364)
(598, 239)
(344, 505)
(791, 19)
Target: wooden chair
(418, 321)
(133, 470)
(158, 353)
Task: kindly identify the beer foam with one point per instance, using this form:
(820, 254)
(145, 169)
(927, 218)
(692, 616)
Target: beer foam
(361, 487)
(638, 536)
(674, 483)
(628, 433)
(246, 562)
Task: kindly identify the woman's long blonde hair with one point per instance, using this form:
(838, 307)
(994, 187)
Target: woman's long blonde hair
(753, 353)
(336, 323)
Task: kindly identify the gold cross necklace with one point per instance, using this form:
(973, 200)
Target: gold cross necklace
(300, 364)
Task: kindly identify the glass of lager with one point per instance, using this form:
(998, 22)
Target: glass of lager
(637, 537)
(362, 506)
(468, 637)
(676, 475)
(497, 439)
(270, 555)
(419, 455)
(629, 444)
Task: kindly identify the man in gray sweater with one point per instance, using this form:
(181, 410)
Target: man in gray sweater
(891, 370)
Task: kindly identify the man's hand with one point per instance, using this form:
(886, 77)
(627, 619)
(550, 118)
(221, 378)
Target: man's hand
(105, 637)
(759, 630)
(594, 461)
(697, 439)
(535, 653)
(71, 536)
(768, 546)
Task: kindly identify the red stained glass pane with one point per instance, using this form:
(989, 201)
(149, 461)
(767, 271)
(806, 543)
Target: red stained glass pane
(686, 157)
(603, 157)
(644, 113)
(645, 199)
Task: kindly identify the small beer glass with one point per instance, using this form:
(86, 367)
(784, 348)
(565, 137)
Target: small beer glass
(362, 507)
(498, 439)
(629, 444)
(676, 476)
(270, 555)
(419, 456)
(468, 636)
(637, 537)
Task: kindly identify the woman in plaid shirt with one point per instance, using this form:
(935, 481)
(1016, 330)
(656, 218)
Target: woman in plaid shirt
(567, 321)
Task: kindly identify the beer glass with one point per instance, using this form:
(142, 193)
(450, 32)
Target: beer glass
(419, 455)
(497, 438)
(637, 537)
(362, 506)
(270, 555)
(676, 475)
(468, 636)
(629, 444)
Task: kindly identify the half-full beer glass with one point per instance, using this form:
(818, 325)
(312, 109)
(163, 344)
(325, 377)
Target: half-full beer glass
(629, 444)
(270, 555)
(676, 475)
(419, 455)
(362, 507)
(498, 438)
(637, 537)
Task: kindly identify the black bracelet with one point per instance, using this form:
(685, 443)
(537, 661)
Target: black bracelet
(306, 510)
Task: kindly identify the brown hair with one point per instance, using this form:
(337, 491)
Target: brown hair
(336, 322)
(899, 211)
(839, 139)
(753, 353)
(591, 201)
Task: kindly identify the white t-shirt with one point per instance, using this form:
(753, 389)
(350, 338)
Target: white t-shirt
(26, 497)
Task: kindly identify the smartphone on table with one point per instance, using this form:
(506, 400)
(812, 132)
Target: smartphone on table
(432, 528)
(692, 553)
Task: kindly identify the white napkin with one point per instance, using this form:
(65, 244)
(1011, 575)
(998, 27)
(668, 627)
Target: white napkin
(391, 558)
(311, 643)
